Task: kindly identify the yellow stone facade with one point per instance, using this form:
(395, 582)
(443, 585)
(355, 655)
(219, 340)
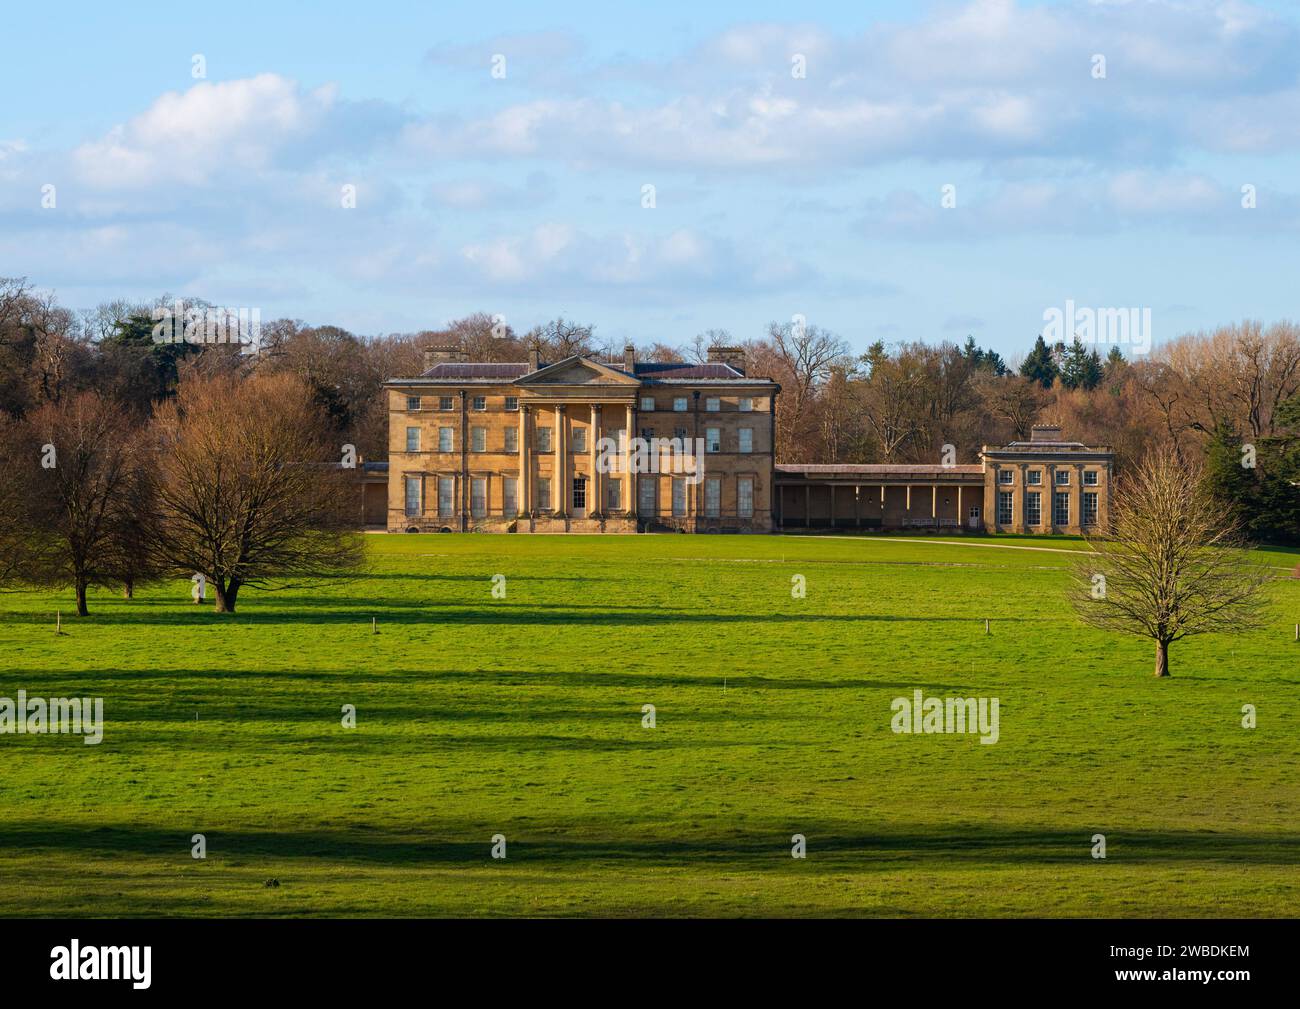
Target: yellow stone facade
(530, 448)
(1044, 485)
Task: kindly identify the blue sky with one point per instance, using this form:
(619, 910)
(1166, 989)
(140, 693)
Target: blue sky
(775, 194)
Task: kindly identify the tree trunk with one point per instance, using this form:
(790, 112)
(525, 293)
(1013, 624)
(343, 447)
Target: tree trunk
(226, 596)
(128, 589)
(82, 611)
(1162, 658)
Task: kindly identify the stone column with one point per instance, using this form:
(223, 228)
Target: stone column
(1103, 513)
(464, 463)
(694, 505)
(629, 481)
(991, 500)
(523, 492)
(1078, 496)
(562, 463)
(594, 502)
(1049, 506)
(1019, 514)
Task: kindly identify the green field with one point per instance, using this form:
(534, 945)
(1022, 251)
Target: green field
(523, 716)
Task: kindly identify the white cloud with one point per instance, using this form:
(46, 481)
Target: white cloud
(561, 257)
(189, 137)
(486, 194)
(990, 79)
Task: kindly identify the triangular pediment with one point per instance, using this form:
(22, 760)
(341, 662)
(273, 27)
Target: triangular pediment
(577, 371)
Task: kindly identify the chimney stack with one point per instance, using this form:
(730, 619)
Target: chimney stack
(629, 359)
(534, 359)
(1045, 432)
(733, 356)
(436, 354)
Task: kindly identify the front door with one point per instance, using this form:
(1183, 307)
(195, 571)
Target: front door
(579, 497)
(975, 517)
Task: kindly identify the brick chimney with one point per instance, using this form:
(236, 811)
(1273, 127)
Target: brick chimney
(441, 353)
(534, 359)
(1045, 432)
(734, 356)
(629, 359)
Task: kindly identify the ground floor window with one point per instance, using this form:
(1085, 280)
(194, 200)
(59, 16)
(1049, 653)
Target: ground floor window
(679, 496)
(712, 497)
(579, 492)
(446, 496)
(1090, 508)
(412, 495)
(646, 500)
(1061, 509)
(745, 497)
(613, 495)
(1004, 507)
(478, 497)
(510, 497)
(544, 493)
(1033, 509)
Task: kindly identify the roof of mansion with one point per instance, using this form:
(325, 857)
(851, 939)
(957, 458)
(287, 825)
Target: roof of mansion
(647, 372)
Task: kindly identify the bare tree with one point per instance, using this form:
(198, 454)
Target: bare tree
(91, 454)
(485, 337)
(250, 489)
(893, 399)
(18, 466)
(800, 357)
(1171, 566)
(1014, 399)
(131, 560)
(663, 353)
(698, 351)
(845, 435)
(561, 338)
(808, 353)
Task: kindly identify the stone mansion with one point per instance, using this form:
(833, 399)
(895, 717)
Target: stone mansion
(582, 445)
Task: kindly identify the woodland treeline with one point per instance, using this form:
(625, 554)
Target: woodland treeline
(1228, 399)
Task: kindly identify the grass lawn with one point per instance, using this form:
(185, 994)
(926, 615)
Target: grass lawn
(523, 716)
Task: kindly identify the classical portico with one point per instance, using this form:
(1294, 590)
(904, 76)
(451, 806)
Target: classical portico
(579, 402)
(448, 429)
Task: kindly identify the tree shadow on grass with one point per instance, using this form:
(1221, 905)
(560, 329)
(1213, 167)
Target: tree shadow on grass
(78, 684)
(578, 844)
(521, 614)
(484, 576)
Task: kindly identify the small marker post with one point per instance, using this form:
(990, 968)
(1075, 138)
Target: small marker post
(374, 629)
(58, 621)
(986, 625)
